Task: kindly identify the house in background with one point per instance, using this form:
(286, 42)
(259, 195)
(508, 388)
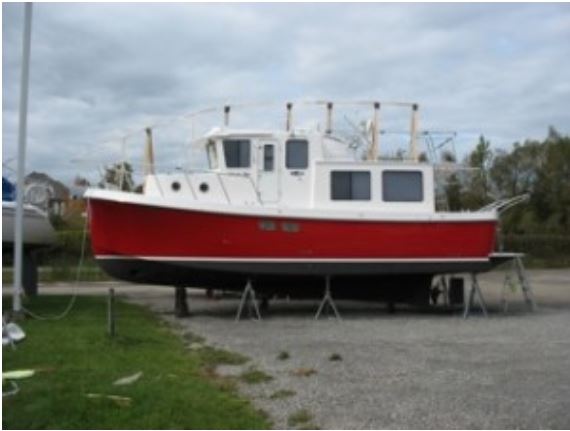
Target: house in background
(46, 193)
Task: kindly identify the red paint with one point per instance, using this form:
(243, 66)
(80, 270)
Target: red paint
(138, 230)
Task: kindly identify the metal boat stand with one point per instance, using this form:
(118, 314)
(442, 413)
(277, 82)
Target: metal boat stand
(248, 298)
(180, 302)
(474, 291)
(517, 268)
(327, 301)
(442, 285)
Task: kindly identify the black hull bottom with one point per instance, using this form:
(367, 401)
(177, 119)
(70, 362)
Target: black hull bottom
(393, 281)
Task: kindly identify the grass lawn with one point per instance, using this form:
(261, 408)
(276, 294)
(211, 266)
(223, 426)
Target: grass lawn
(75, 357)
(55, 273)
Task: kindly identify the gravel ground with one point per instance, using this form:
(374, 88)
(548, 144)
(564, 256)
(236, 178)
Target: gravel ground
(403, 370)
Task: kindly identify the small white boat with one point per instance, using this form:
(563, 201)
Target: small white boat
(38, 230)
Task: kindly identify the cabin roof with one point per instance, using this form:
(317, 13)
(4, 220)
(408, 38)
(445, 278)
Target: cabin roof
(229, 133)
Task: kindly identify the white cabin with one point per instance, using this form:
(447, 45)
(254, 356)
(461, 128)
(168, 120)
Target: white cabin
(296, 170)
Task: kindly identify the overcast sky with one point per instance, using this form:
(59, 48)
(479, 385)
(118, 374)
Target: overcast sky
(99, 70)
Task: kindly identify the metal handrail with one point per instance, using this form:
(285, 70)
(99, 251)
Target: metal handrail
(503, 205)
(222, 109)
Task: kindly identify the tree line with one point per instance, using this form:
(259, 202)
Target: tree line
(541, 169)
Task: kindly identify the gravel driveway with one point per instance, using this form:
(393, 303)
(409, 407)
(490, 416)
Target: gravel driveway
(402, 370)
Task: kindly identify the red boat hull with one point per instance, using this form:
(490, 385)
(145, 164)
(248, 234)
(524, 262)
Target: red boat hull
(366, 259)
(132, 230)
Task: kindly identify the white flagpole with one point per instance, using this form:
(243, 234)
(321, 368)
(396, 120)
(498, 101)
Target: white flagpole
(23, 123)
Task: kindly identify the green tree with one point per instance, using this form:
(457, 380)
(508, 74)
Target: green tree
(551, 196)
(453, 193)
(514, 172)
(118, 176)
(478, 188)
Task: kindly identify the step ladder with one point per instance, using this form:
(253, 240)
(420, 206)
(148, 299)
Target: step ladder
(518, 272)
(474, 293)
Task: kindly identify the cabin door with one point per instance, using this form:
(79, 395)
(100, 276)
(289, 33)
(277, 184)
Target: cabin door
(267, 171)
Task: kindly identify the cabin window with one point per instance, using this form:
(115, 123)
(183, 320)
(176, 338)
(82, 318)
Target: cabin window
(237, 153)
(297, 154)
(350, 185)
(402, 186)
(268, 158)
(212, 155)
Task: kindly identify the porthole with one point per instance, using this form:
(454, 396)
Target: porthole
(204, 187)
(175, 186)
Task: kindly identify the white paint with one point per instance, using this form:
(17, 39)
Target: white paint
(287, 259)
(37, 228)
(348, 214)
(268, 181)
(286, 192)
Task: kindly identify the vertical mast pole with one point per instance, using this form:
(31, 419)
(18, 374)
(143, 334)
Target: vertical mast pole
(289, 120)
(226, 115)
(414, 133)
(374, 149)
(149, 153)
(22, 129)
(328, 129)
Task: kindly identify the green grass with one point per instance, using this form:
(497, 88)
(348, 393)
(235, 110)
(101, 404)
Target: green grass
(281, 393)
(63, 272)
(212, 357)
(76, 357)
(254, 377)
(299, 418)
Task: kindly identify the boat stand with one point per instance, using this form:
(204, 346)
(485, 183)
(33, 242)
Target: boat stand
(517, 268)
(248, 298)
(442, 285)
(475, 291)
(327, 301)
(180, 302)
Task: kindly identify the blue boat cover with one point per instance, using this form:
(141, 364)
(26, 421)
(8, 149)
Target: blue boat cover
(8, 190)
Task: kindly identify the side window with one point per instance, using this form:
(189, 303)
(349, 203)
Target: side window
(237, 153)
(402, 186)
(268, 157)
(297, 154)
(350, 185)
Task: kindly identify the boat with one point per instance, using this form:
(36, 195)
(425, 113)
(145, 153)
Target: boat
(37, 233)
(37, 229)
(290, 210)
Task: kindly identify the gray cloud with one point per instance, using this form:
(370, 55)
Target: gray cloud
(100, 70)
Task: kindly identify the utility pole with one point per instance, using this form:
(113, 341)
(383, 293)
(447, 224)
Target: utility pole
(22, 128)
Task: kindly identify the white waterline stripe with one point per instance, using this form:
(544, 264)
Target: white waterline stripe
(287, 259)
